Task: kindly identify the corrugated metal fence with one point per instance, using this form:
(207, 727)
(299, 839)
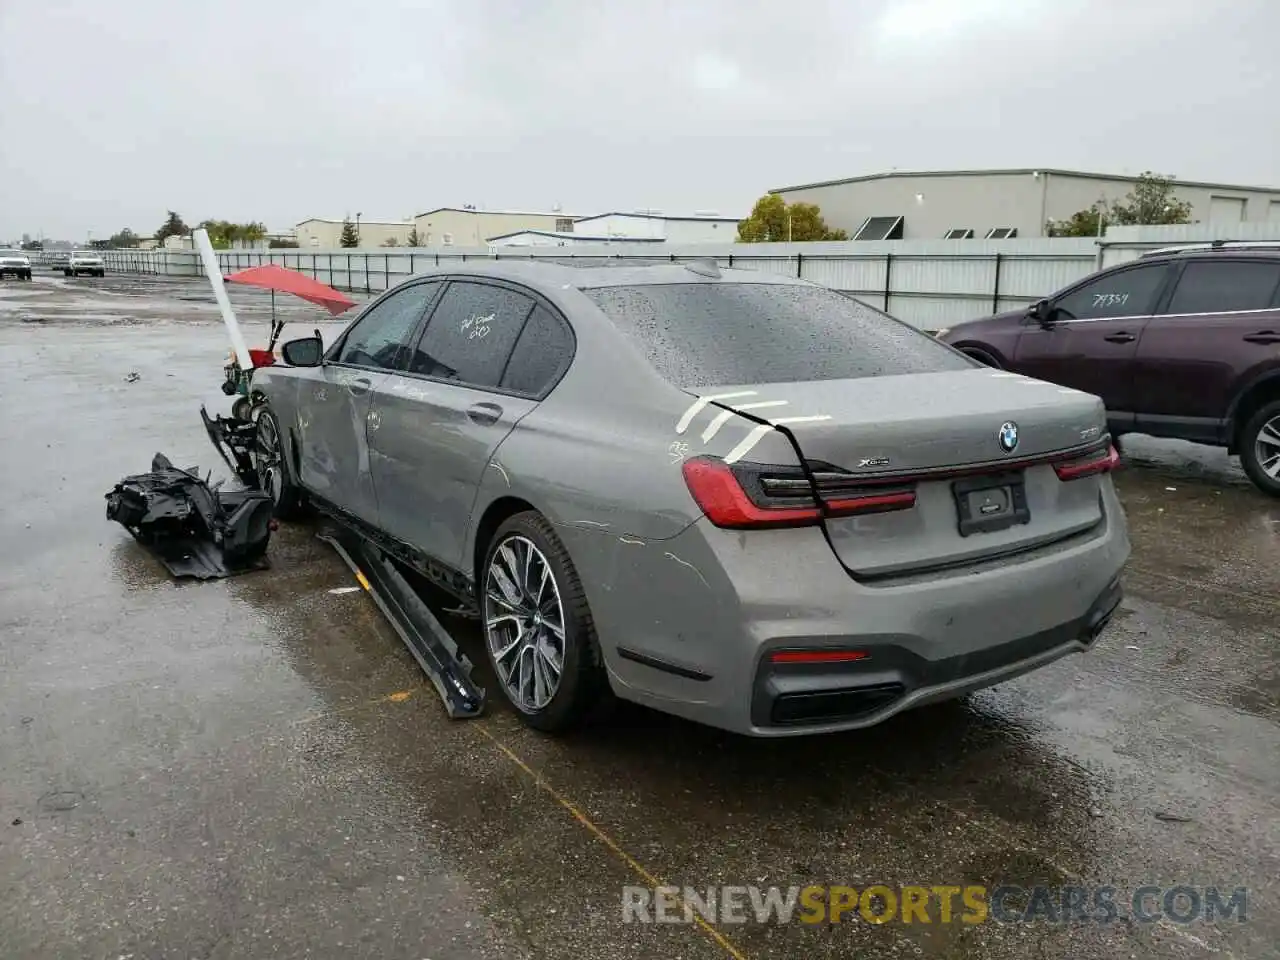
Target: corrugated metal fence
(928, 283)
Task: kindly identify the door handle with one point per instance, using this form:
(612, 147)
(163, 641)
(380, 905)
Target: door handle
(1262, 336)
(1120, 337)
(484, 413)
(360, 386)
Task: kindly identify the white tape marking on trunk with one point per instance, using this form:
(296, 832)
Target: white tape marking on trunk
(751, 439)
(723, 416)
(754, 437)
(759, 404)
(696, 407)
(714, 427)
(782, 420)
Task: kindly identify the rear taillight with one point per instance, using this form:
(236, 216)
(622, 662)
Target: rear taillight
(760, 496)
(1090, 465)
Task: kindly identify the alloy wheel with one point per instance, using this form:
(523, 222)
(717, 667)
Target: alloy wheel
(1266, 448)
(524, 623)
(268, 459)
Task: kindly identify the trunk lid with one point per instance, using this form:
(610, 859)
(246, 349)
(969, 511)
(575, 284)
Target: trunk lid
(939, 435)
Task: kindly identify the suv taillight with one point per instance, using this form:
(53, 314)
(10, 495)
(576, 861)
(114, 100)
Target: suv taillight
(1090, 465)
(760, 496)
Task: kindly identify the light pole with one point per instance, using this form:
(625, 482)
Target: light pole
(358, 216)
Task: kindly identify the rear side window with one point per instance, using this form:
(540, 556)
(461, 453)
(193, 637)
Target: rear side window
(543, 350)
(470, 334)
(715, 334)
(1219, 286)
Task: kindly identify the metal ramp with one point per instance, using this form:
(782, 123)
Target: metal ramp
(437, 653)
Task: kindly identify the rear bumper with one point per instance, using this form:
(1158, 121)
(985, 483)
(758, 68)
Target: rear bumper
(688, 625)
(893, 679)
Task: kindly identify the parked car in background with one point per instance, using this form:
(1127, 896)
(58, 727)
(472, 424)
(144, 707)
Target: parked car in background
(1179, 343)
(83, 262)
(15, 263)
(742, 498)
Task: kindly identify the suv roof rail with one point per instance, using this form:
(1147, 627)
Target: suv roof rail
(1215, 245)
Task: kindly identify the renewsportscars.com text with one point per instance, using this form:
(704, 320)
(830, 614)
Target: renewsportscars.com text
(970, 904)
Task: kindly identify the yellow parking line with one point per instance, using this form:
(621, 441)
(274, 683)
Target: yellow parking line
(604, 838)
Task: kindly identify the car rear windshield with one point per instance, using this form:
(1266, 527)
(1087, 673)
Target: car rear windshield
(715, 334)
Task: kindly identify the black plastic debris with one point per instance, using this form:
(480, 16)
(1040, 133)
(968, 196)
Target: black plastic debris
(234, 439)
(192, 527)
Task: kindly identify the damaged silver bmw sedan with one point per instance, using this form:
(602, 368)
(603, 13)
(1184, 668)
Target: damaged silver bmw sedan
(741, 498)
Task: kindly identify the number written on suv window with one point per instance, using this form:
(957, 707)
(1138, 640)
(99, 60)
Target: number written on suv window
(380, 338)
(1125, 293)
(1223, 286)
(471, 333)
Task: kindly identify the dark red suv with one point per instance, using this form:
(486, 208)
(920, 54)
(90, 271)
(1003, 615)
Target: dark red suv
(1179, 344)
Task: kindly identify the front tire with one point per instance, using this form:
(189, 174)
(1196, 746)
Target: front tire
(539, 635)
(982, 357)
(1260, 448)
(272, 465)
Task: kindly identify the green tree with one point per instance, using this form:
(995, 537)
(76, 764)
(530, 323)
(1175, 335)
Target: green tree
(172, 227)
(413, 240)
(1151, 201)
(774, 220)
(278, 243)
(224, 233)
(391, 242)
(125, 238)
(349, 237)
(1082, 223)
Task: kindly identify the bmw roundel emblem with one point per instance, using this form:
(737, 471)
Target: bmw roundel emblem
(1008, 436)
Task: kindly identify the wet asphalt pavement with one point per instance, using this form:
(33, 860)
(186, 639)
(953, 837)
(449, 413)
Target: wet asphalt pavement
(255, 767)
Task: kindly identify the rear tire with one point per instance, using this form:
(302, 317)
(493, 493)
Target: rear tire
(529, 587)
(1260, 448)
(275, 476)
(66, 273)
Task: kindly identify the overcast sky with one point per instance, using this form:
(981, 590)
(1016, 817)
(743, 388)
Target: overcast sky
(114, 111)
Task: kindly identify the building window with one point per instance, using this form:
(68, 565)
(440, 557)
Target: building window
(959, 233)
(880, 228)
(447, 239)
(1001, 233)
(564, 225)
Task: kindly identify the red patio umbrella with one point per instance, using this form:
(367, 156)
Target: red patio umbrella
(273, 277)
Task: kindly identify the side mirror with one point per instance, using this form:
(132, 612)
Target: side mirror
(1042, 312)
(304, 352)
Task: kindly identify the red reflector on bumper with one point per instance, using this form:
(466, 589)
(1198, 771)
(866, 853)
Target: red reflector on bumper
(817, 656)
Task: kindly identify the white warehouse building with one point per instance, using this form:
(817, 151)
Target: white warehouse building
(638, 227)
(652, 225)
(998, 204)
(553, 238)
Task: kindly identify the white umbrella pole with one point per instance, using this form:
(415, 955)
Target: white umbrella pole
(214, 272)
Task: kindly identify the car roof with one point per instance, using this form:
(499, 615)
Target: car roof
(583, 274)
